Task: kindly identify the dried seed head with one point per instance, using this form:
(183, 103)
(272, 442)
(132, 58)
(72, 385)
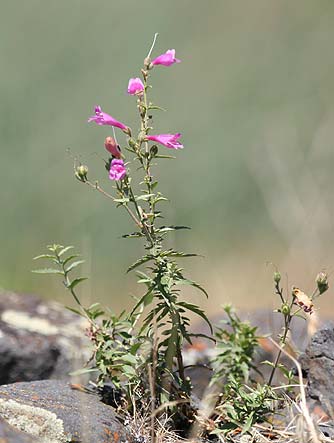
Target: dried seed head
(302, 300)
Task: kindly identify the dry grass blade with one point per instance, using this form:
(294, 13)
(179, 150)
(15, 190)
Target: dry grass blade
(303, 404)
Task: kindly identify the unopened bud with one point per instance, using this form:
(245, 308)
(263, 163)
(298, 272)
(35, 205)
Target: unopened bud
(277, 277)
(132, 143)
(112, 147)
(285, 309)
(127, 131)
(147, 64)
(154, 150)
(81, 173)
(322, 282)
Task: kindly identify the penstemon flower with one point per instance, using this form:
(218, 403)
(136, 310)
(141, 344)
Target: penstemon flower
(102, 118)
(168, 140)
(117, 170)
(166, 59)
(112, 147)
(135, 86)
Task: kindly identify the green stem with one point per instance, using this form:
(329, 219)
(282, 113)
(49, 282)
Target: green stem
(286, 330)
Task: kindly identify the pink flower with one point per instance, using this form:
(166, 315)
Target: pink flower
(117, 170)
(101, 118)
(166, 59)
(135, 86)
(112, 147)
(168, 140)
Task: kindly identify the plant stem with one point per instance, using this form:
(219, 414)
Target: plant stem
(287, 323)
(106, 194)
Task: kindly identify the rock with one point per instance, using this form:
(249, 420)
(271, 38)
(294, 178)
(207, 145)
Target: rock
(318, 365)
(39, 339)
(8, 434)
(51, 411)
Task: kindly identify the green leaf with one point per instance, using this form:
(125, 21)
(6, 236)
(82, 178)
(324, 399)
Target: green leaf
(74, 265)
(76, 311)
(196, 310)
(129, 358)
(84, 371)
(122, 200)
(144, 197)
(133, 235)
(146, 299)
(248, 424)
(165, 156)
(172, 253)
(60, 253)
(171, 228)
(186, 281)
(76, 281)
(94, 306)
(155, 107)
(141, 261)
(129, 371)
(49, 256)
(48, 271)
(69, 258)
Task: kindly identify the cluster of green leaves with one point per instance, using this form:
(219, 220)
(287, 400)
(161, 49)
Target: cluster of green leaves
(168, 314)
(64, 265)
(241, 407)
(116, 355)
(236, 344)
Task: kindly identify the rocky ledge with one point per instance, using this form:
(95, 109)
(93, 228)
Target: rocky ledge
(39, 339)
(53, 412)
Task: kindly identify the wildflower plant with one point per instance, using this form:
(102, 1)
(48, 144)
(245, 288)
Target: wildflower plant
(236, 343)
(296, 304)
(140, 351)
(149, 339)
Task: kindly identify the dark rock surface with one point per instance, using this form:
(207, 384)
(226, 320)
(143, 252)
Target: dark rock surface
(8, 434)
(38, 339)
(318, 365)
(55, 413)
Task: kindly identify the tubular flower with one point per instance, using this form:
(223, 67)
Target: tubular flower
(135, 86)
(112, 147)
(166, 59)
(117, 170)
(101, 118)
(168, 140)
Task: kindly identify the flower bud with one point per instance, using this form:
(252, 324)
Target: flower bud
(127, 131)
(322, 282)
(153, 151)
(132, 143)
(81, 173)
(112, 147)
(147, 64)
(285, 309)
(277, 277)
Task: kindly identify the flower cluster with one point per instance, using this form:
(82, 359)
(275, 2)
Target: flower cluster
(136, 87)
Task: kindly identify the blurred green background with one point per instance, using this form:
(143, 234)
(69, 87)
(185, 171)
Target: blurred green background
(253, 98)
